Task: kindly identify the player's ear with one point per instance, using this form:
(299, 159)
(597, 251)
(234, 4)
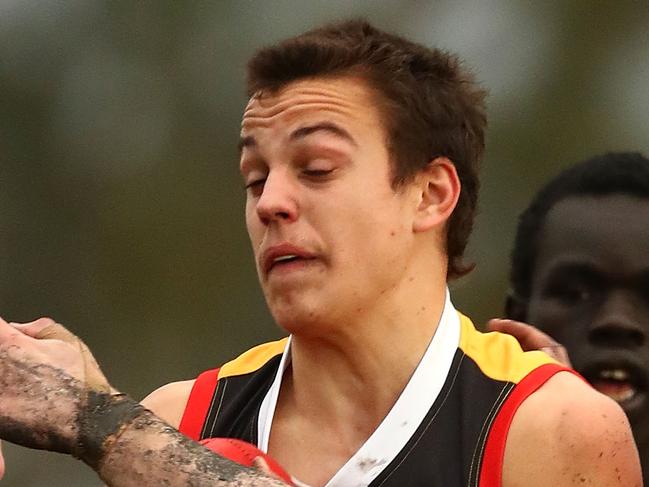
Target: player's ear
(439, 189)
(515, 307)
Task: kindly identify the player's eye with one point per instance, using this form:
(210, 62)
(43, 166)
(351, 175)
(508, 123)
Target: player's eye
(315, 173)
(255, 186)
(571, 293)
(254, 183)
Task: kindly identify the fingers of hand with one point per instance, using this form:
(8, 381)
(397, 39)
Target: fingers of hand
(47, 330)
(509, 326)
(32, 329)
(558, 353)
(7, 332)
(530, 337)
(37, 328)
(93, 376)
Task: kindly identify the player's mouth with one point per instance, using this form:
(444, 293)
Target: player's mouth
(624, 382)
(285, 257)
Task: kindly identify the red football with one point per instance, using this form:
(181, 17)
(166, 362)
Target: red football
(244, 453)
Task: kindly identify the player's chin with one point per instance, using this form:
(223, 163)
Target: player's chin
(297, 317)
(295, 323)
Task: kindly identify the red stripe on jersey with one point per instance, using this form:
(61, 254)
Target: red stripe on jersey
(492, 461)
(198, 404)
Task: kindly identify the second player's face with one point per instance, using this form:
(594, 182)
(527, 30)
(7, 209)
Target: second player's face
(328, 232)
(590, 290)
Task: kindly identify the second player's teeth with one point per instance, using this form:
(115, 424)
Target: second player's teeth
(616, 374)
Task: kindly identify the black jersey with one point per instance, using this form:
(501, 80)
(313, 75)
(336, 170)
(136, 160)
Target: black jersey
(459, 436)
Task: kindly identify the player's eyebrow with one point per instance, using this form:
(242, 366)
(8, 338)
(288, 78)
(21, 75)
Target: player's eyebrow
(572, 268)
(323, 127)
(249, 141)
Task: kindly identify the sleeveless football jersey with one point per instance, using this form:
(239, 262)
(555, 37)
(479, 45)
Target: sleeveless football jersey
(448, 428)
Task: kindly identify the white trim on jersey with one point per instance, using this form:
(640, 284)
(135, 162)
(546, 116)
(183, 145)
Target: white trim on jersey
(403, 419)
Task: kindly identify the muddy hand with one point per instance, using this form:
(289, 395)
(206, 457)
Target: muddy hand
(45, 375)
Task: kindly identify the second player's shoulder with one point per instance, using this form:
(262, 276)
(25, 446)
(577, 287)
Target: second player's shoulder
(168, 402)
(565, 434)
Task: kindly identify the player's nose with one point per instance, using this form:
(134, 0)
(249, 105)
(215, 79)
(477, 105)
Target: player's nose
(617, 323)
(278, 201)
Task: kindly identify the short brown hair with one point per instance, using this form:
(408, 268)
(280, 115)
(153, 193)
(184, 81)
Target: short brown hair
(432, 107)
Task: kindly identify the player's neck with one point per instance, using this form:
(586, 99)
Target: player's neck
(358, 362)
(365, 368)
(330, 381)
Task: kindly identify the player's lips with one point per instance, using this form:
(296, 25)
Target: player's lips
(621, 379)
(283, 254)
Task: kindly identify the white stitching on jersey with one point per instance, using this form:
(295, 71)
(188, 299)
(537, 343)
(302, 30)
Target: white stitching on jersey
(488, 420)
(209, 411)
(218, 410)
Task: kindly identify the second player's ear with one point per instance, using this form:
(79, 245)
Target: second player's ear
(439, 190)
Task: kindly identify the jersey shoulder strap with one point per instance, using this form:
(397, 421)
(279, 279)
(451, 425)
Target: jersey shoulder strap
(494, 453)
(198, 404)
(201, 397)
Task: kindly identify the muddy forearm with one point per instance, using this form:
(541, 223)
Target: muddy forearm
(146, 451)
(53, 396)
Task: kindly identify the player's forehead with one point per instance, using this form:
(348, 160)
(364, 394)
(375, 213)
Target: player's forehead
(598, 217)
(343, 99)
(608, 231)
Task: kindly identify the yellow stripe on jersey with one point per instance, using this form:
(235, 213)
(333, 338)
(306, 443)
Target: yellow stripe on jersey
(253, 359)
(498, 355)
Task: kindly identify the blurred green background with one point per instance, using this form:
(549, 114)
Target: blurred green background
(120, 200)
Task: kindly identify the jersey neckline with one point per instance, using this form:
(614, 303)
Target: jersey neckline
(402, 420)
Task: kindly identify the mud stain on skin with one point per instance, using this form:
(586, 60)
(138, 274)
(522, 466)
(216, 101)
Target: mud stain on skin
(42, 407)
(177, 461)
(26, 388)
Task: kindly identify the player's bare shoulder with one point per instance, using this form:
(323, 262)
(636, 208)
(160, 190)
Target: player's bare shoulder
(168, 402)
(568, 434)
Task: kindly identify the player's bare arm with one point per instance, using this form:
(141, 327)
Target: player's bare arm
(567, 434)
(168, 402)
(79, 413)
